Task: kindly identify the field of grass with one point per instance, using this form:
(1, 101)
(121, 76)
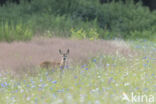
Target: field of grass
(125, 72)
(104, 80)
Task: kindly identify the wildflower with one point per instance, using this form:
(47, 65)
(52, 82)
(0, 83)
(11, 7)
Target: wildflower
(32, 82)
(86, 68)
(54, 95)
(66, 66)
(127, 84)
(16, 91)
(116, 84)
(6, 84)
(83, 66)
(108, 64)
(28, 85)
(2, 85)
(99, 76)
(144, 57)
(94, 60)
(41, 80)
(137, 88)
(153, 74)
(28, 98)
(33, 86)
(75, 77)
(39, 89)
(144, 65)
(97, 102)
(43, 85)
(61, 67)
(54, 82)
(21, 91)
(82, 72)
(103, 89)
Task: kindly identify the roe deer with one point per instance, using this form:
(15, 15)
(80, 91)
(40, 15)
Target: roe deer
(61, 64)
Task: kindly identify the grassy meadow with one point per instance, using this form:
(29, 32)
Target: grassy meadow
(103, 78)
(102, 81)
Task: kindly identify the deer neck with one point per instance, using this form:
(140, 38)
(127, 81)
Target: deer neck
(62, 64)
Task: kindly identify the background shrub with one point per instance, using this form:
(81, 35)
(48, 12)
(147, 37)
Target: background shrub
(110, 20)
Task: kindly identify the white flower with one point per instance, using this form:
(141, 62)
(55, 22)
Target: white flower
(127, 84)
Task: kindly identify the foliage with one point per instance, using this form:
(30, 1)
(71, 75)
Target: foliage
(10, 32)
(91, 34)
(109, 20)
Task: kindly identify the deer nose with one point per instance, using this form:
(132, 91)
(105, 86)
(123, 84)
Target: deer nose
(64, 58)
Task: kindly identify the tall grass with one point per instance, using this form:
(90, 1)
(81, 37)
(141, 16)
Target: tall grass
(102, 81)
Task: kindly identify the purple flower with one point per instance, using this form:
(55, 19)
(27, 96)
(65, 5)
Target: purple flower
(145, 65)
(66, 66)
(144, 57)
(43, 85)
(137, 88)
(83, 66)
(108, 65)
(75, 77)
(2, 85)
(153, 74)
(32, 81)
(28, 85)
(82, 72)
(6, 83)
(41, 80)
(54, 82)
(86, 68)
(39, 89)
(94, 60)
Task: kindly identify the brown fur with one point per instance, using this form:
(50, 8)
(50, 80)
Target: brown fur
(61, 64)
(48, 64)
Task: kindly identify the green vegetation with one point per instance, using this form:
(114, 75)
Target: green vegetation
(59, 17)
(102, 81)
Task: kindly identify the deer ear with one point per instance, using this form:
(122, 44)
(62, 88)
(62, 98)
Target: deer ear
(67, 51)
(60, 51)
